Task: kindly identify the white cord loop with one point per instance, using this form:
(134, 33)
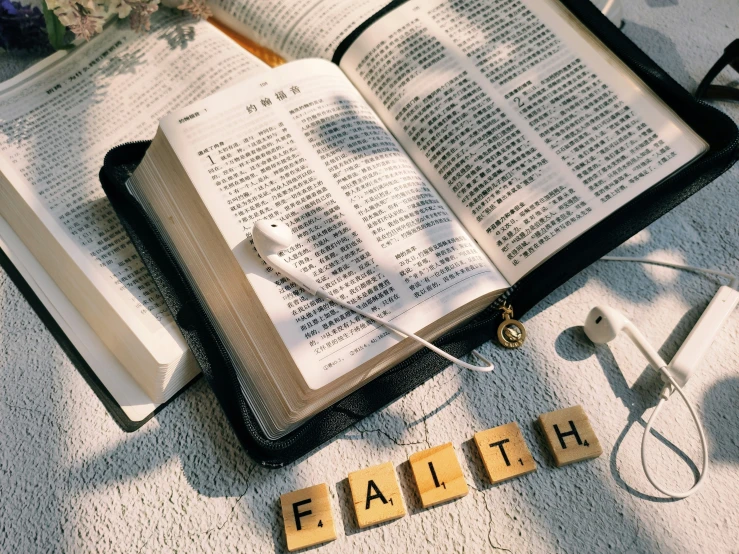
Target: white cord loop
(674, 386)
(666, 391)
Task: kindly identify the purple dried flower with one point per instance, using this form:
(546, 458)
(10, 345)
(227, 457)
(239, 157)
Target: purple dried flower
(22, 27)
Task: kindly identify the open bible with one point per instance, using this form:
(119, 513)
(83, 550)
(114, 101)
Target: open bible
(456, 147)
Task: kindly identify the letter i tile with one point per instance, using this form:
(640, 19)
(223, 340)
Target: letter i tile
(438, 475)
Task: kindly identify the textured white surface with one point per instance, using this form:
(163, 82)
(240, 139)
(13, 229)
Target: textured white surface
(71, 480)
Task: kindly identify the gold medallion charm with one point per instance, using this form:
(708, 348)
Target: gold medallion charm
(511, 332)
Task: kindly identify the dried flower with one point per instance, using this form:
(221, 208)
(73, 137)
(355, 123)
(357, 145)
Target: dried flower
(23, 26)
(197, 8)
(122, 7)
(84, 18)
(141, 15)
(139, 12)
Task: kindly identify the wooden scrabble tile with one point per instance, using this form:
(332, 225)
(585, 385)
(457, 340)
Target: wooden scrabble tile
(438, 475)
(504, 452)
(308, 518)
(376, 495)
(570, 436)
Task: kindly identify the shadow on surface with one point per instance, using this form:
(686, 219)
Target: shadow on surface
(719, 409)
(660, 48)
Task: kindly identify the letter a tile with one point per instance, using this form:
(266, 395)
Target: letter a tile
(308, 518)
(438, 475)
(504, 452)
(376, 495)
(570, 436)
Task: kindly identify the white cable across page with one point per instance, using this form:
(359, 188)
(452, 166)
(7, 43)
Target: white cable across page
(400, 330)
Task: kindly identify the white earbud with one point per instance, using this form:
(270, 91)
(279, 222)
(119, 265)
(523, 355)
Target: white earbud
(603, 324)
(271, 237)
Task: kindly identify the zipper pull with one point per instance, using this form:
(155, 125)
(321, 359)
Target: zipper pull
(511, 332)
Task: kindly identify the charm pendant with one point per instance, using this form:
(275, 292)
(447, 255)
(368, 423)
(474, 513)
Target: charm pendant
(511, 332)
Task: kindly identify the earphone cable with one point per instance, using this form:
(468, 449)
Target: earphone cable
(647, 430)
(734, 280)
(413, 336)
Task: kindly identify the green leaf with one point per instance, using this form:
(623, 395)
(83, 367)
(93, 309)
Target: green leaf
(55, 29)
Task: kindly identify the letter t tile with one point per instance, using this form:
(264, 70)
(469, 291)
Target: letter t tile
(504, 452)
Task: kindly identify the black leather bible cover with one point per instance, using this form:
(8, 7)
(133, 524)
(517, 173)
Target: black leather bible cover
(712, 125)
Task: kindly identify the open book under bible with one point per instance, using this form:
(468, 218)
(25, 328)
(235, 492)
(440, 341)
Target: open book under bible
(57, 121)
(431, 171)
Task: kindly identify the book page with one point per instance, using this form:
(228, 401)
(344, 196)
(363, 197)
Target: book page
(296, 30)
(520, 118)
(58, 121)
(299, 144)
